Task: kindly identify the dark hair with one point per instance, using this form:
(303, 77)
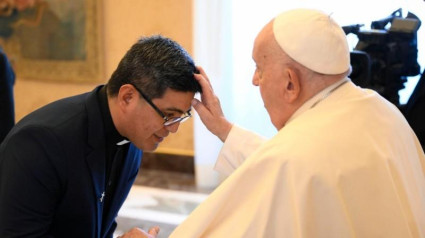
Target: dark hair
(154, 64)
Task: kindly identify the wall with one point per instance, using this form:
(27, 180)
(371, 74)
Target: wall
(122, 25)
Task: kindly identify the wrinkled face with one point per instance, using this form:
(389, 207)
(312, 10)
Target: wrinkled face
(269, 75)
(145, 128)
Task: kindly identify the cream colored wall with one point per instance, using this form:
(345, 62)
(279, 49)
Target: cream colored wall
(122, 24)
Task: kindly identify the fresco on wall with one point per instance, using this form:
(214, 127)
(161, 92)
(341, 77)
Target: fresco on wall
(52, 39)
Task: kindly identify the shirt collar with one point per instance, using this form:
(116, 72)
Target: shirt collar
(113, 137)
(317, 98)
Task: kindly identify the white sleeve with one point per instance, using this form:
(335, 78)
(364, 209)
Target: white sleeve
(240, 143)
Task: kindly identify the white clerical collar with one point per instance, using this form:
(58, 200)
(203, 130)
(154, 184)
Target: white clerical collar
(312, 102)
(123, 142)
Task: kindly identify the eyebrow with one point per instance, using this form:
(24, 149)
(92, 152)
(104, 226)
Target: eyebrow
(174, 109)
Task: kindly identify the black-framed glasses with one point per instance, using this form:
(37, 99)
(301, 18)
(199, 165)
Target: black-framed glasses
(168, 121)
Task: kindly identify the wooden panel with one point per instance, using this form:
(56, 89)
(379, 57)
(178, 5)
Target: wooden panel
(123, 23)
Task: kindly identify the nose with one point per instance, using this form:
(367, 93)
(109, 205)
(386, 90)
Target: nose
(173, 127)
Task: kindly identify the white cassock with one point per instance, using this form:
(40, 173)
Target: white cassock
(348, 167)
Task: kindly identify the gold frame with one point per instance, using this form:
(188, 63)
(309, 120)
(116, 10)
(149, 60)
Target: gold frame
(89, 70)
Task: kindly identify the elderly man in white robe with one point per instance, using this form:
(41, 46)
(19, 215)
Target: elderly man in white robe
(344, 163)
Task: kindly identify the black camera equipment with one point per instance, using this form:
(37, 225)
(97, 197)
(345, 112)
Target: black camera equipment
(384, 57)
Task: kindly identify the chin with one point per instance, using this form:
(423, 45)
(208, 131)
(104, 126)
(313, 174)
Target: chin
(146, 147)
(278, 124)
(150, 147)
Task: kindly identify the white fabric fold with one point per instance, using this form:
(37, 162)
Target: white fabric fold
(240, 143)
(349, 167)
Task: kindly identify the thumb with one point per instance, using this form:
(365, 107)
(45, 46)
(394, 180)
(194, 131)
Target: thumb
(154, 231)
(199, 107)
(195, 103)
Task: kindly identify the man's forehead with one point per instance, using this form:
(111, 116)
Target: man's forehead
(177, 101)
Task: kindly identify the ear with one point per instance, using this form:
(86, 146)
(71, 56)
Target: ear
(127, 96)
(292, 85)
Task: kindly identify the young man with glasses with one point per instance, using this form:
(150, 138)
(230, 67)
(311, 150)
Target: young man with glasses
(66, 168)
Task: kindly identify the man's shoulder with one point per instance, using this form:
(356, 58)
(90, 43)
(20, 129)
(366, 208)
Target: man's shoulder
(62, 117)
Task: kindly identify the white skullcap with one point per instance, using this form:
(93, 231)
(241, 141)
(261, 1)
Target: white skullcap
(313, 39)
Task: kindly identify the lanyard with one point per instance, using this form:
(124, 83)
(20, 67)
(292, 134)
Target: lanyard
(329, 93)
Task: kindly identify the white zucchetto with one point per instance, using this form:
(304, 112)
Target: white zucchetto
(313, 39)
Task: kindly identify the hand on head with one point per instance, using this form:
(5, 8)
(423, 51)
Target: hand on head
(209, 108)
(139, 233)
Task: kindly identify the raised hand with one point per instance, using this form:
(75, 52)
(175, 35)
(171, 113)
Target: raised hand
(209, 108)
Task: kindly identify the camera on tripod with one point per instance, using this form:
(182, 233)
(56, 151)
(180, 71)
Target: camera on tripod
(386, 54)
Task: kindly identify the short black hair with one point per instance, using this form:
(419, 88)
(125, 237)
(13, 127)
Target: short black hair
(154, 64)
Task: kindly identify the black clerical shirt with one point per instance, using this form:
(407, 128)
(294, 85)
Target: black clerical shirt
(114, 160)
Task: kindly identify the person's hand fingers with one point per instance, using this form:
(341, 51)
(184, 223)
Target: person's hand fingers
(208, 98)
(209, 105)
(213, 119)
(202, 72)
(154, 231)
(139, 233)
(209, 108)
(207, 90)
(200, 108)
